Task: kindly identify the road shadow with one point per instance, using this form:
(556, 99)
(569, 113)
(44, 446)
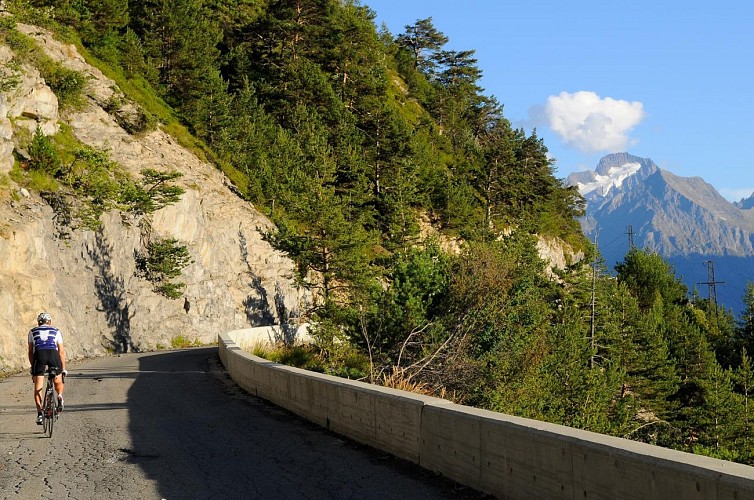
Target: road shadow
(198, 436)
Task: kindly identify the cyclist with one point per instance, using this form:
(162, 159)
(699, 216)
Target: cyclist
(46, 349)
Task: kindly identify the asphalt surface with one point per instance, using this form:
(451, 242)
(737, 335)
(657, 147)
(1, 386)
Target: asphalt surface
(172, 425)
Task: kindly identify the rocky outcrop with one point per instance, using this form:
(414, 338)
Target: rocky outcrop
(27, 103)
(88, 282)
(556, 254)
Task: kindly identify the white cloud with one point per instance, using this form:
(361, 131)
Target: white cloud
(590, 123)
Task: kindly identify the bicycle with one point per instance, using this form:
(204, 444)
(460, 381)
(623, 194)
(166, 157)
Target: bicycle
(50, 401)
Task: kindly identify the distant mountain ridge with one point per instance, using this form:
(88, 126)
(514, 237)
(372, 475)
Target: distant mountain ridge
(745, 203)
(684, 219)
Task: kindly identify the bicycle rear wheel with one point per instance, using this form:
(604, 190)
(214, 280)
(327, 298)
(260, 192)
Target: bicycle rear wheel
(45, 400)
(48, 413)
(52, 420)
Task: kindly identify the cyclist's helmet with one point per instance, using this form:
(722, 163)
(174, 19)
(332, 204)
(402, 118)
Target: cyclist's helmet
(43, 318)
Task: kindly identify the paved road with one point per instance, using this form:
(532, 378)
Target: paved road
(172, 425)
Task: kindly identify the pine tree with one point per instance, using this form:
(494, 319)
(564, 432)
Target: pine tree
(498, 156)
(745, 332)
(718, 419)
(407, 308)
(648, 276)
(132, 56)
(107, 16)
(67, 12)
(651, 371)
(398, 217)
(234, 15)
(354, 58)
(744, 381)
(458, 70)
(208, 109)
(180, 42)
(423, 40)
(579, 395)
(43, 155)
(320, 231)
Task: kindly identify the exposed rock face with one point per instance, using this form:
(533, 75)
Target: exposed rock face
(88, 282)
(30, 103)
(556, 254)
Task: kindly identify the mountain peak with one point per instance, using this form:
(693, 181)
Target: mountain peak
(616, 161)
(610, 173)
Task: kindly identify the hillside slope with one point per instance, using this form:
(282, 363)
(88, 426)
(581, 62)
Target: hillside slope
(88, 282)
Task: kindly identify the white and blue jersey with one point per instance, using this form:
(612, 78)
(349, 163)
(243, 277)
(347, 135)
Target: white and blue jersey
(45, 337)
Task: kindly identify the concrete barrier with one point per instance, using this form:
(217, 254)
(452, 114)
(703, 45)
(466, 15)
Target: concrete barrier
(509, 457)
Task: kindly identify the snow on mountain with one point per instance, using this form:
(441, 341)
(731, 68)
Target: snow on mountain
(614, 177)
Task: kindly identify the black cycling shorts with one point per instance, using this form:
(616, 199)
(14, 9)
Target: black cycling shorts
(43, 358)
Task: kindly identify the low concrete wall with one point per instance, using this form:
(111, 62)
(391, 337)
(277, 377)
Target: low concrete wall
(509, 457)
(387, 419)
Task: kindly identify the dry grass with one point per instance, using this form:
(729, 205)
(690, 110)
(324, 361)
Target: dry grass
(399, 379)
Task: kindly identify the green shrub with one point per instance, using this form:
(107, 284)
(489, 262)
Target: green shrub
(7, 23)
(43, 155)
(152, 193)
(67, 84)
(181, 342)
(352, 365)
(164, 260)
(33, 180)
(170, 290)
(20, 44)
(10, 77)
(300, 356)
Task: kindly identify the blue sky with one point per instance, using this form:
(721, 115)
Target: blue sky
(671, 81)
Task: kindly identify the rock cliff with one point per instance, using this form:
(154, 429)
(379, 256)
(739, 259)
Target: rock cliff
(88, 282)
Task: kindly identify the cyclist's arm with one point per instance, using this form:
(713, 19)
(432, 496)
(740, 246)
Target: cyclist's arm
(31, 353)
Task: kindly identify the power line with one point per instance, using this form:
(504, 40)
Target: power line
(711, 284)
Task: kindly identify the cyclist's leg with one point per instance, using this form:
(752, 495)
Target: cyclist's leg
(59, 385)
(59, 379)
(37, 378)
(38, 386)
(38, 381)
